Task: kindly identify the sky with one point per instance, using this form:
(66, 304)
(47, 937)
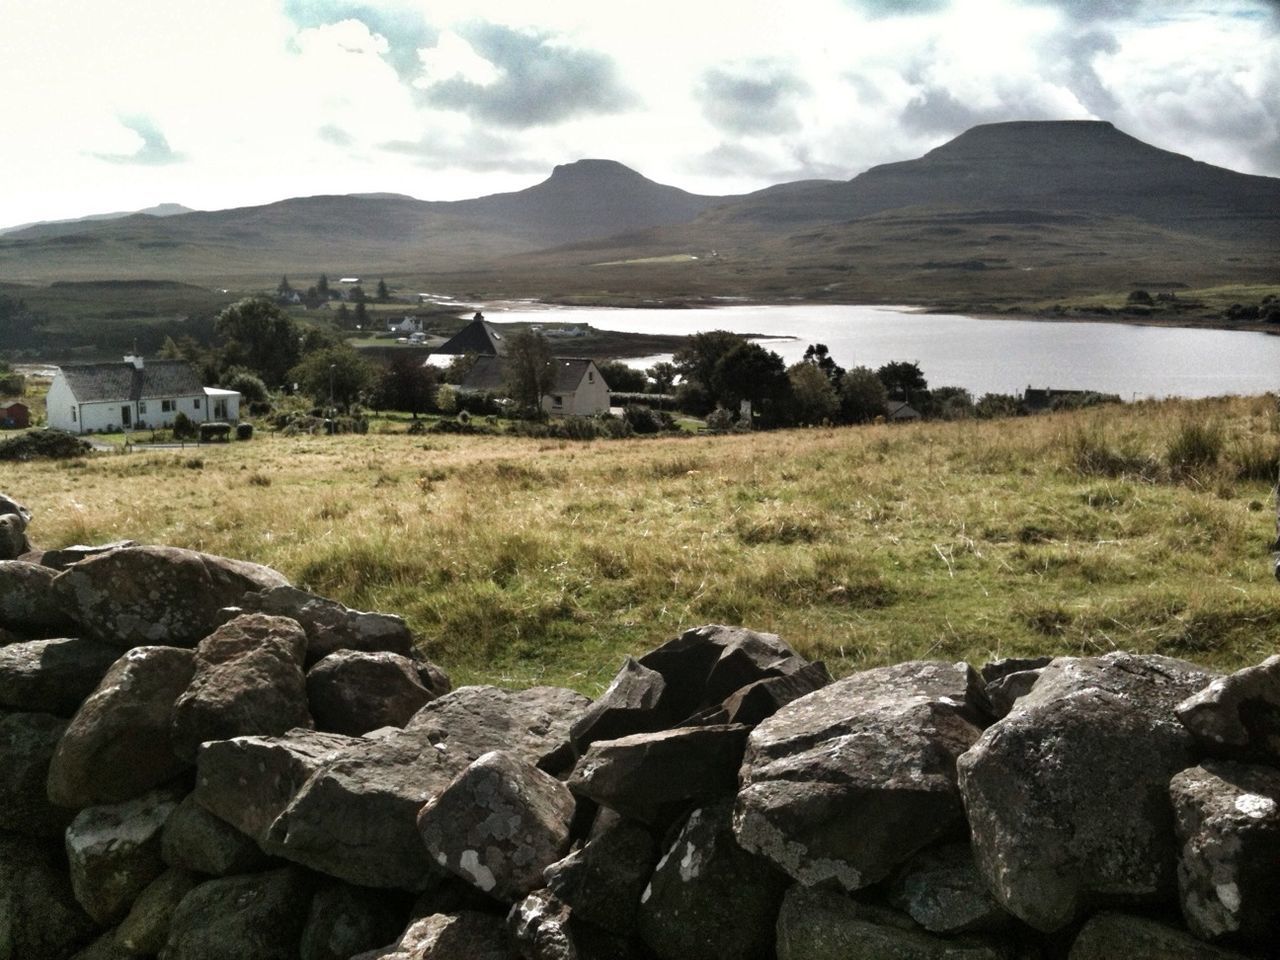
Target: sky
(131, 103)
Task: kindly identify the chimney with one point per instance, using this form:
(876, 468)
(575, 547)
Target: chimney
(135, 359)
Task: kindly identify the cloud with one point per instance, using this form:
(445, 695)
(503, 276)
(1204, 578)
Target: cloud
(331, 133)
(785, 166)
(154, 149)
(404, 29)
(476, 151)
(536, 80)
(754, 98)
(898, 8)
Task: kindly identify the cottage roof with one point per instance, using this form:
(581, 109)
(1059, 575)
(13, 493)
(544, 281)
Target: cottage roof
(901, 410)
(569, 373)
(104, 382)
(489, 374)
(479, 337)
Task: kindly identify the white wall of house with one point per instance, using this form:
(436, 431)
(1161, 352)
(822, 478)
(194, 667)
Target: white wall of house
(61, 408)
(65, 412)
(589, 398)
(222, 405)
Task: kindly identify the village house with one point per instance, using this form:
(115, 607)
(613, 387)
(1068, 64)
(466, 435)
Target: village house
(132, 394)
(577, 390)
(15, 415)
(404, 325)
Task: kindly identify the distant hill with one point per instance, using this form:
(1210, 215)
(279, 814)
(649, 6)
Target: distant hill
(159, 210)
(1003, 211)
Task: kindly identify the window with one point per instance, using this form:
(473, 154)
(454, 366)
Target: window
(168, 406)
(557, 401)
(142, 407)
(591, 376)
(196, 403)
(73, 414)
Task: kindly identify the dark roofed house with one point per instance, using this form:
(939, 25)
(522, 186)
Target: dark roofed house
(15, 415)
(578, 389)
(92, 397)
(899, 411)
(479, 337)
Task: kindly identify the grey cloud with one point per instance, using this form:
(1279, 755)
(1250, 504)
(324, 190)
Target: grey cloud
(735, 160)
(405, 30)
(1074, 54)
(898, 8)
(1090, 11)
(753, 98)
(936, 111)
(478, 151)
(155, 150)
(539, 83)
(330, 133)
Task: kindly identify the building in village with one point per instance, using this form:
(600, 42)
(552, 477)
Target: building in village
(132, 394)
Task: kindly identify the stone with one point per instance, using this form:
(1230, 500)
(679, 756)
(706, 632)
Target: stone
(821, 924)
(13, 539)
(248, 681)
(117, 744)
(603, 880)
(465, 935)
(646, 773)
(28, 603)
(106, 947)
(27, 743)
(146, 929)
(1067, 796)
(194, 839)
(51, 676)
(330, 626)
(1228, 823)
(355, 817)
(65, 557)
(531, 724)
(684, 677)
(248, 782)
(148, 595)
(760, 700)
(346, 920)
(114, 853)
(259, 915)
(1238, 716)
(499, 825)
(9, 505)
(847, 783)
(39, 915)
(994, 670)
(1007, 690)
(1110, 935)
(353, 692)
(709, 899)
(942, 891)
(539, 927)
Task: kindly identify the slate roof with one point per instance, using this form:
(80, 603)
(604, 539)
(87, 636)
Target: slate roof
(486, 375)
(489, 374)
(479, 337)
(103, 382)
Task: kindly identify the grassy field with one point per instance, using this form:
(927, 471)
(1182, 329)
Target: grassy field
(520, 561)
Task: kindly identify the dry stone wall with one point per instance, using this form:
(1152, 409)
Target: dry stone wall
(200, 761)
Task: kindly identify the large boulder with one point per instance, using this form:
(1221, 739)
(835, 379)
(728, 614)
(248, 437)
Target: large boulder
(465, 935)
(248, 782)
(194, 839)
(499, 825)
(157, 595)
(602, 881)
(761, 699)
(1238, 716)
(51, 676)
(27, 743)
(1228, 822)
(531, 724)
(117, 744)
(1109, 936)
(847, 783)
(258, 915)
(114, 853)
(692, 675)
(28, 603)
(248, 681)
(1067, 796)
(642, 775)
(354, 692)
(146, 929)
(39, 915)
(942, 891)
(709, 899)
(64, 557)
(329, 625)
(346, 920)
(13, 538)
(9, 505)
(821, 924)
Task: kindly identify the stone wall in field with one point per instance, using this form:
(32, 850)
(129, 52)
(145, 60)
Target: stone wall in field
(199, 761)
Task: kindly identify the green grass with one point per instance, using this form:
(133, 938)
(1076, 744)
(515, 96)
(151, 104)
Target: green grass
(520, 561)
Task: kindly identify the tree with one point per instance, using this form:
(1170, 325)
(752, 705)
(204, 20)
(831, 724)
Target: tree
(361, 318)
(951, 403)
(259, 335)
(407, 384)
(322, 286)
(663, 376)
(903, 380)
(383, 293)
(356, 294)
(459, 367)
(622, 378)
(337, 371)
(697, 359)
(529, 368)
(815, 399)
(282, 288)
(818, 355)
(246, 383)
(862, 396)
(750, 372)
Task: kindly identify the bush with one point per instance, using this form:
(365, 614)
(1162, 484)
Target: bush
(641, 419)
(244, 431)
(183, 428)
(1197, 445)
(719, 420)
(44, 445)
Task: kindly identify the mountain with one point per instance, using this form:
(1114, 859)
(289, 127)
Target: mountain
(159, 210)
(1023, 209)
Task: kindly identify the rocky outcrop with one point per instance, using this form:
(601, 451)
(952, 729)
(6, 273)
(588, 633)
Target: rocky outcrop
(28, 602)
(722, 799)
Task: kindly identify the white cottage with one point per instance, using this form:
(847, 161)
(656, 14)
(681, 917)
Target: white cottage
(577, 390)
(97, 397)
